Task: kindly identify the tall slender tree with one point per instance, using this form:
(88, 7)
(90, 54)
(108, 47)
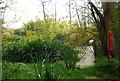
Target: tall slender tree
(55, 13)
(70, 11)
(77, 13)
(44, 13)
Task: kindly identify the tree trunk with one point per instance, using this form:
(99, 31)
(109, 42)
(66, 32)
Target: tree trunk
(70, 11)
(55, 13)
(108, 24)
(104, 24)
(44, 14)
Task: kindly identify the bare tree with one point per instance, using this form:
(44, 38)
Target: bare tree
(55, 13)
(70, 11)
(9, 5)
(43, 5)
(3, 9)
(44, 10)
(77, 14)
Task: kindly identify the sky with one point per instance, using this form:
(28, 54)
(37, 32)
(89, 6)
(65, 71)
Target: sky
(26, 10)
(23, 11)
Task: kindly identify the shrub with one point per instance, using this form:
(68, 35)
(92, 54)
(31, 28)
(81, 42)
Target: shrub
(19, 32)
(70, 58)
(21, 51)
(111, 67)
(7, 40)
(9, 70)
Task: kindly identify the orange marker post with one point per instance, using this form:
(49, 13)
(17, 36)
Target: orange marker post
(110, 44)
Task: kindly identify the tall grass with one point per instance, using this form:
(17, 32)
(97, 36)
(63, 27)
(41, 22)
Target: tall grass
(111, 68)
(44, 69)
(49, 71)
(11, 70)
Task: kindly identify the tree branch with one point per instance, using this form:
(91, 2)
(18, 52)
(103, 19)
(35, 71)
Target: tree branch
(94, 16)
(96, 10)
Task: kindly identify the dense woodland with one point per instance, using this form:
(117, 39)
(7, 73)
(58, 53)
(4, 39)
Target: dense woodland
(44, 48)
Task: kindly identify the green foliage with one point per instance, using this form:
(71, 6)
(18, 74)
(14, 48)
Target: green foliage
(11, 39)
(70, 58)
(72, 35)
(111, 67)
(22, 51)
(79, 36)
(48, 71)
(16, 70)
(55, 70)
(29, 26)
(46, 30)
(19, 32)
(14, 38)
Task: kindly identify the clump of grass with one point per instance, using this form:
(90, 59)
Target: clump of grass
(16, 71)
(44, 69)
(110, 69)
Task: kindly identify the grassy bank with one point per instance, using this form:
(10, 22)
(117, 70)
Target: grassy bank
(18, 70)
